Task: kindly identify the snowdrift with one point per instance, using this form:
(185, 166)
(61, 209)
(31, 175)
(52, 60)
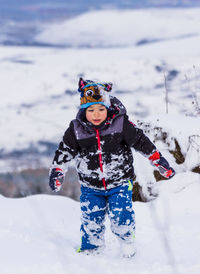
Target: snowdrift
(40, 234)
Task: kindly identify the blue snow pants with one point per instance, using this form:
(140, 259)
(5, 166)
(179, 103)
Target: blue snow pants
(95, 204)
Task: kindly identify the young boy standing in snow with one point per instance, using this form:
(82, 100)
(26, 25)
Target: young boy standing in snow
(101, 138)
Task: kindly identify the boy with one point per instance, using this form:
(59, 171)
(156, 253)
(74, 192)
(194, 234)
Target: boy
(101, 138)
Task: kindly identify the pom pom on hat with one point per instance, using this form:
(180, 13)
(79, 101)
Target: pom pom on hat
(94, 93)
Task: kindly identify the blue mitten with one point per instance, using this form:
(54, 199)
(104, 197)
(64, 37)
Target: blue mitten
(56, 178)
(161, 163)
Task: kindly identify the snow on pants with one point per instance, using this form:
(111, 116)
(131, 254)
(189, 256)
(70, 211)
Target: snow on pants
(95, 204)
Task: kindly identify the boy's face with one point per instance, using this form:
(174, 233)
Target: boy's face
(96, 114)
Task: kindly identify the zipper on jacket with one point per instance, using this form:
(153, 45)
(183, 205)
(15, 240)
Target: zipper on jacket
(100, 156)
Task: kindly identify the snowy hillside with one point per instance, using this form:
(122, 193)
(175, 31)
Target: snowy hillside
(123, 28)
(39, 85)
(148, 55)
(39, 234)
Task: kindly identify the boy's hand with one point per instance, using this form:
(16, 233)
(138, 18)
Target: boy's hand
(56, 178)
(161, 163)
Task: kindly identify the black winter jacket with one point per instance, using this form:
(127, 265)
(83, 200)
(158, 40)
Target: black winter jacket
(103, 154)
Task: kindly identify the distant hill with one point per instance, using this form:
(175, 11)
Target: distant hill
(21, 20)
(49, 9)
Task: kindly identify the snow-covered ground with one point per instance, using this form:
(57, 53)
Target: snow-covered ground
(144, 53)
(39, 234)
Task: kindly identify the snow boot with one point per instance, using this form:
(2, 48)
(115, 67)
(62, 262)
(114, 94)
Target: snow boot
(128, 250)
(92, 251)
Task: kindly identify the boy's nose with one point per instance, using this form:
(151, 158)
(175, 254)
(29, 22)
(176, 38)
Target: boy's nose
(96, 113)
(96, 97)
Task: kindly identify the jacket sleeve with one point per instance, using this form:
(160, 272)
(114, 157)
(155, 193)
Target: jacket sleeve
(68, 147)
(136, 138)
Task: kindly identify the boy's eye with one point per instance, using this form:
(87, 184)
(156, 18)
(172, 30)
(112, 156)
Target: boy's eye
(89, 92)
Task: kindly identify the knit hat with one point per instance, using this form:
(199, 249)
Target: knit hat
(94, 93)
